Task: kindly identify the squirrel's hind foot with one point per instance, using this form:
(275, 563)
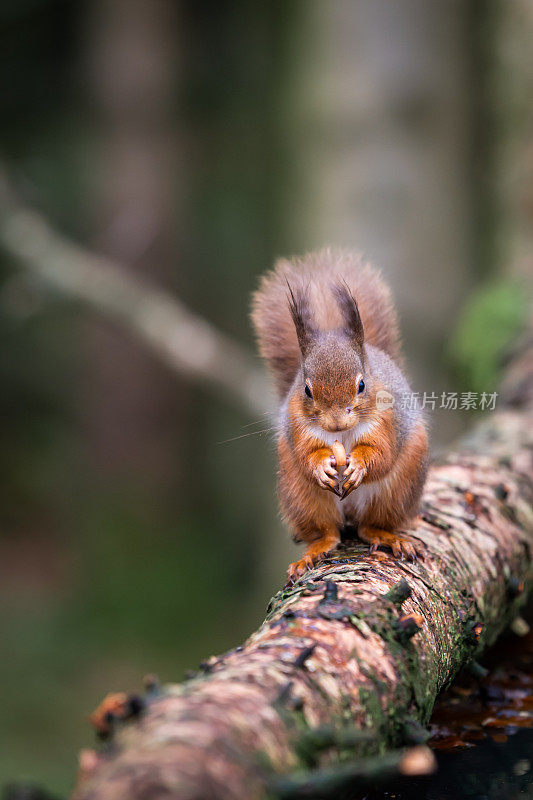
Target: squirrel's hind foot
(315, 552)
(402, 546)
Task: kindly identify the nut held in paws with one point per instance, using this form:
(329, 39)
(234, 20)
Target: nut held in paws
(340, 453)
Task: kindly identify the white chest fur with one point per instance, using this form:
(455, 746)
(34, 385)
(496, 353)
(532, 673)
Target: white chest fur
(347, 438)
(361, 497)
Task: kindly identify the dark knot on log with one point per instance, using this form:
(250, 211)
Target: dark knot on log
(331, 593)
(407, 625)
(398, 593)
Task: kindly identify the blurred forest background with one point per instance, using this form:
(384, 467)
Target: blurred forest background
(192, 143)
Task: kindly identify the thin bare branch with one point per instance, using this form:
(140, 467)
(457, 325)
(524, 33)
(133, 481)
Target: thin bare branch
(185, 341)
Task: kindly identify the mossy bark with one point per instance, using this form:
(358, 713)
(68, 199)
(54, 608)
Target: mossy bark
(350, 658)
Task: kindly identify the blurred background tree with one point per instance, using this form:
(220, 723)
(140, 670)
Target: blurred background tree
(193, 143)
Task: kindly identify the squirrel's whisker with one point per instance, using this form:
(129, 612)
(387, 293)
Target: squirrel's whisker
(245, 435)
(257, 421)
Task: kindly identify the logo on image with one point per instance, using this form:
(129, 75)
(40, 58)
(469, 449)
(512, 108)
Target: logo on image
(384, 400)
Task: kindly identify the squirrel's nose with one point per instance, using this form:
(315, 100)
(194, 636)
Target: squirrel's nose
(339, 427)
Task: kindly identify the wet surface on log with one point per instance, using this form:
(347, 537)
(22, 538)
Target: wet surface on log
(494, 701)
(489, 770)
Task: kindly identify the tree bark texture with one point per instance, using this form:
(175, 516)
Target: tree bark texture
(350, 659)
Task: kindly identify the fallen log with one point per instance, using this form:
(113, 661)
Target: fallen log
(349, 661)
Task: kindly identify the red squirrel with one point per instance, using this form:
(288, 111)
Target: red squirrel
(328, 330)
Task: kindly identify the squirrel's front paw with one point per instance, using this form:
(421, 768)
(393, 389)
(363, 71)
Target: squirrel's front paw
(353, 475)
(326, 475)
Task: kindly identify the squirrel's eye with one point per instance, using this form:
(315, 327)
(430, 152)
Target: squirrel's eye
(308, 391)
(361, 387)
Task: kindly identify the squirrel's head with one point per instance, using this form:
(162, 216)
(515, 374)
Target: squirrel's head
(336, 390)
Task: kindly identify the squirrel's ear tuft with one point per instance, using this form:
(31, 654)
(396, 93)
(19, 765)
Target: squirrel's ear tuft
(301, 315)
(350, 312)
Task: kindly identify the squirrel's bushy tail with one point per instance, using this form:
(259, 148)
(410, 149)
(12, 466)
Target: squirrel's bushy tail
(315, 274)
